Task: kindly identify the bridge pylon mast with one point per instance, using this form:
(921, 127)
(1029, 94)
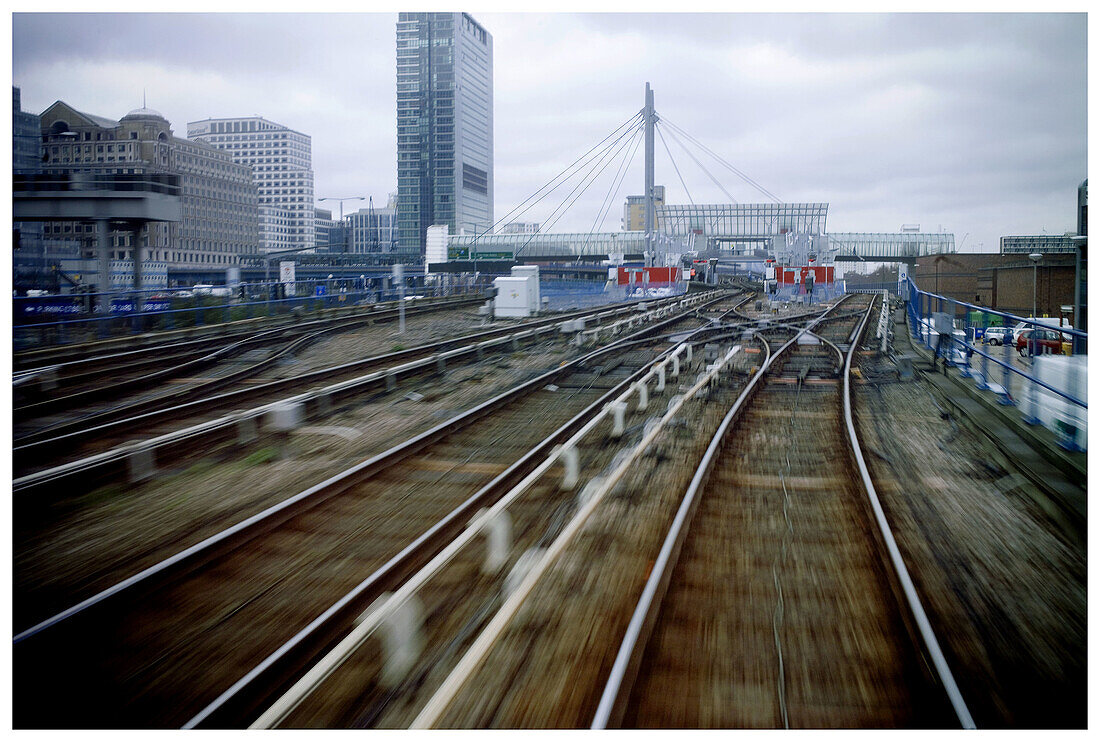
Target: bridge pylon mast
(650, 214)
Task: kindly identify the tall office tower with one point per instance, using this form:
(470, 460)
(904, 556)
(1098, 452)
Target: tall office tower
(282, 167)
(444, 126)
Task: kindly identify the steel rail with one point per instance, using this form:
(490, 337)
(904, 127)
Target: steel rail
(427, 550)
(60, 431)
(439, 702)
(273, 516)
(309, 683)
(924, 626)
(628, 659)
(613, 701)
(35, 409)
(35, 450)
(211, 335)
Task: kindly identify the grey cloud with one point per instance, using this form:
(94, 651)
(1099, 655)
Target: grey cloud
(974, 121)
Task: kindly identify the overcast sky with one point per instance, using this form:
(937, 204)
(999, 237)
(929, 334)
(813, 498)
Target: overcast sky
(971, 123)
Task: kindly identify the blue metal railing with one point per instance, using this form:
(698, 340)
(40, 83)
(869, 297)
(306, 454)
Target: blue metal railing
(923, 305)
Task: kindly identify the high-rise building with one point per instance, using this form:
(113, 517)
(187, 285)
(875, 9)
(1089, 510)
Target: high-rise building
(282, 166)
(634, 210)
(444, 126)
(217, 198)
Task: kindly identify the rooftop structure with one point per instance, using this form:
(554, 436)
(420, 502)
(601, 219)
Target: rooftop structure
(1041, 243)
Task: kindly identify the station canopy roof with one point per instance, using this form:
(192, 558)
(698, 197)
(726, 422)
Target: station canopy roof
(746, 221)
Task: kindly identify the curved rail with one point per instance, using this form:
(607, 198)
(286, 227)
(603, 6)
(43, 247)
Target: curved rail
(641, 623)
(439, 702)
(288, 507)
(620, 680)
(173, 399)
(494, 494)
(947, 679)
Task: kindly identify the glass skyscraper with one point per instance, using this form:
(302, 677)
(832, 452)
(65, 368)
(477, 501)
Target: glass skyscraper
(444, 126)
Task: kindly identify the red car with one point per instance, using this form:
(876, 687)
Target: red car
(1039, 341)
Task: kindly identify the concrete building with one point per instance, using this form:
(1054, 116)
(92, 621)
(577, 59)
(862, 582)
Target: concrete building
(1001, 282)
(29, 258)
(444, 126)
(282, 167)
(634, 210)
(218, 200)
(323, 227)
(26, 137)
(520, 228)
(372, 231)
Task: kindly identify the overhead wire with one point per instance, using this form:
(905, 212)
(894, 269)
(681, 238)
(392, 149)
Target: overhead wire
(597, 166)
(725, 163)
(607, 197)
(673, 161)
(637, 144)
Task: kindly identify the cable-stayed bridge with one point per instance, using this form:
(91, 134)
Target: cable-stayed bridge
(733, 230)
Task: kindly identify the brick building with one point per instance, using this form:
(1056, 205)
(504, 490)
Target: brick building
(1001, 282)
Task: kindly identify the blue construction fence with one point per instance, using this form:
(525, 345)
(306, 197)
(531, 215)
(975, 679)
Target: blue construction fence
(60, 319)
(1039, 364)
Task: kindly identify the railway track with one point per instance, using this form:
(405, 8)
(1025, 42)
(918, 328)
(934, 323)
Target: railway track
(152, 650)
(46, 449)
(770, 604)
(830, 645)
(456, 594)
(214, 334)
(81, 382)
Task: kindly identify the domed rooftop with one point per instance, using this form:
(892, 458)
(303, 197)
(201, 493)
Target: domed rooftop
(144, 113)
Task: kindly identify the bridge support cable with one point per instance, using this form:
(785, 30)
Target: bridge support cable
(610, 154)
(613, 190)
(576, 166)
(674, 166)
(702, 167)
(722, 161)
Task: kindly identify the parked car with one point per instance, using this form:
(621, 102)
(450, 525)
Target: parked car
(997, 335)
(1035, 342)
(1032, 322)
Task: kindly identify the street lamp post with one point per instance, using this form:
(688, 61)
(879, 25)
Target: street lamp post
(342, 226)
(1035, 258)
